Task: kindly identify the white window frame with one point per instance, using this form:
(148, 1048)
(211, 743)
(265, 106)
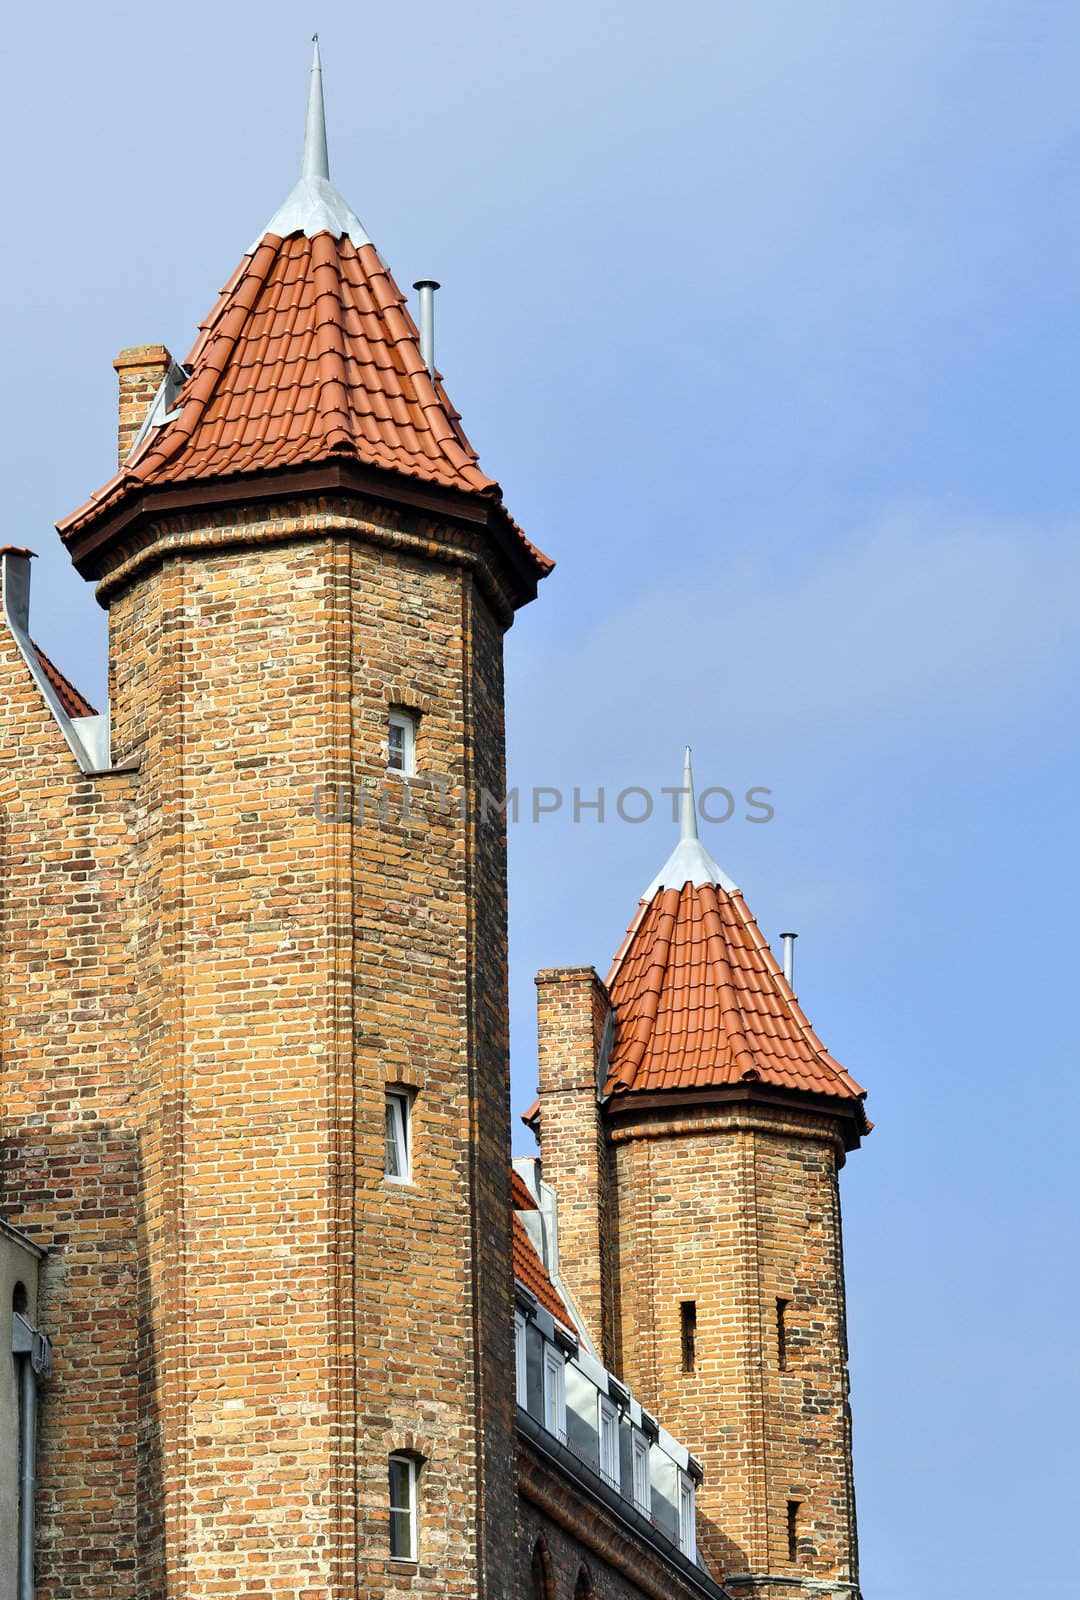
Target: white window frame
(406, 722)
(687, 1516)
(521, 1368)
(608, 1430)
(398, 1112)
(555, 1391)
(642, 1477)
(409, 1463)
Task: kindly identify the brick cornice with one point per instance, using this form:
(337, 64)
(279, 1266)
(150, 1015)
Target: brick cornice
(317, 518)
(734, 1108)
(91, 543)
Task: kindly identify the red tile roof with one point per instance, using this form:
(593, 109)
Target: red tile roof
(701, 1001)
(309, 356)
(528, 1267)
(75, 704)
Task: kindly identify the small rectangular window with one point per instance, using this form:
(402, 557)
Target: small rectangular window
(609, 1441)
(781, 1333)
(554, 1392)
(403, 1508)
(521, 1370)
(401, 743)
(687, 1518)
(688, 1310)
(793, 1529)
(398, 1136)
(642, 1480)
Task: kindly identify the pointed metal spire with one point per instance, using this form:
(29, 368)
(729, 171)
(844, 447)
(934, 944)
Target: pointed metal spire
(314, 205)
(689, 862)
(316, 160)
(687, 803)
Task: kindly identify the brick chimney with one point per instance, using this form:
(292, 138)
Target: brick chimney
(140, 370)
(572, 1022)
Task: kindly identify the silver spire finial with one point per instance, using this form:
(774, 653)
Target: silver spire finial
(689, 862)
(313, 205)
(316, 161)
(687, 805)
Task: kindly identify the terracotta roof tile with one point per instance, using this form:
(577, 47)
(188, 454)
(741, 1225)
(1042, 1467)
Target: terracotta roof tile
(309, 355)
(75, 704)
(701, 1001)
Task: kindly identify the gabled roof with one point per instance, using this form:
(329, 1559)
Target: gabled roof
(529, 1270)
(700, 1000)
(310, 356)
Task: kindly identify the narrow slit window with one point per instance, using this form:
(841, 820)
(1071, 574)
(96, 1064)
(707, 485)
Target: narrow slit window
(793, 1507)
(398, 1136)
(688, 1313)
(401, 743)
(781, 1333)
(403, 1531)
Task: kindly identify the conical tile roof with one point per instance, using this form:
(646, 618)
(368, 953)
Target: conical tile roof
(701, 1001)
(310, 356)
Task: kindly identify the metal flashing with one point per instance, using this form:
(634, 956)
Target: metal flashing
(313, 205)
(689, 862)
(87, 737)
(163, 404)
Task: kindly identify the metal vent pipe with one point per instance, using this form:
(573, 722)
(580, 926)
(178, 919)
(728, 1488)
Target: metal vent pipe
(425, 288)
(788, 940)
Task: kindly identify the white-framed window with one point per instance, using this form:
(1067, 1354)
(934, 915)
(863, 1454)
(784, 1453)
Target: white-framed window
(687, 1518)
(521, 1367)
(639, 1447)
(403, 1530)
(609, 1441)
(554, 1392)
(398, 1136)
(401, 742)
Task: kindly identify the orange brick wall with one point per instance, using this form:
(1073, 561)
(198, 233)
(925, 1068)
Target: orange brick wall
(69, 1138)
(732, 1208)
(258, 1318)
(572, 1008)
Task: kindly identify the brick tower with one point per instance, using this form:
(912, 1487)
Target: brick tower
(285, 1053)
(695, 1143)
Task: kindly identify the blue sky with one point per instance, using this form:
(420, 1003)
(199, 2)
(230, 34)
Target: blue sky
(766, 318)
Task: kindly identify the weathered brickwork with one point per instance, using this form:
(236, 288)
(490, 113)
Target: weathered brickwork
(139, 370)
(69, 1161)
(734, 1208)
(572, 1011)
(196, 1107)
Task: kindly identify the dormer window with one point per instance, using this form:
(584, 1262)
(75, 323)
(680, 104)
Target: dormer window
(401, 742)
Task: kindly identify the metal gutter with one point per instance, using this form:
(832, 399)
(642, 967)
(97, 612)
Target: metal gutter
(561, 1456)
